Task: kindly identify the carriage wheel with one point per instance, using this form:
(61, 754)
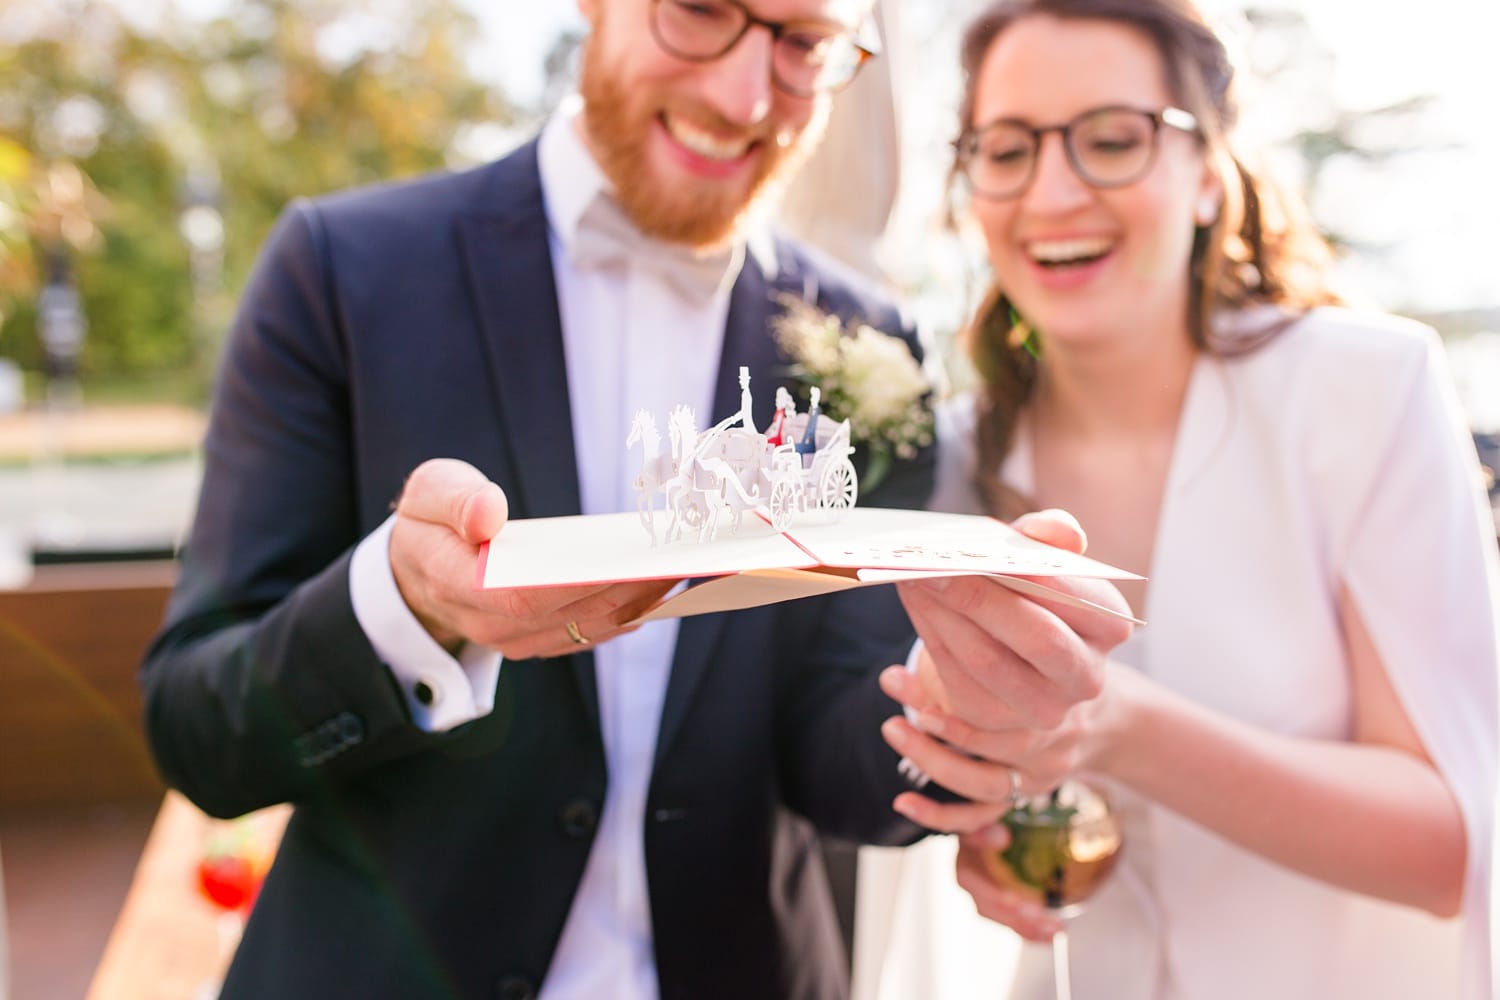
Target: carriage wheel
(783, 504)
(839, 487)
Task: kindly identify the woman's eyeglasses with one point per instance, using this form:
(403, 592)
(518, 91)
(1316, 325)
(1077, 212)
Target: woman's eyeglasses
(1107, 147)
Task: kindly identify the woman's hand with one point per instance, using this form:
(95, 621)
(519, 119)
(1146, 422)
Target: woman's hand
(1000, 659)
(1007, 687)
(977, 763)
(1026, 917)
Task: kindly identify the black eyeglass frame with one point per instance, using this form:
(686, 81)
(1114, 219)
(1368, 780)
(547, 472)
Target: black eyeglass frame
(966, 145)
(864, 38)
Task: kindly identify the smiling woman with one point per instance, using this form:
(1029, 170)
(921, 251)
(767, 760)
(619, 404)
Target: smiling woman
(1161, 356)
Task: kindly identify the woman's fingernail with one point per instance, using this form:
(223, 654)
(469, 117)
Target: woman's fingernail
(928, 723)
(894, 733)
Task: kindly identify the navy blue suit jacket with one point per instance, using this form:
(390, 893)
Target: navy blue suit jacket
(396, 324)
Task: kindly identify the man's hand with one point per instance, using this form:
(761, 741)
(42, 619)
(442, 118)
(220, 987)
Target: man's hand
(1006, 683)
(446, 511)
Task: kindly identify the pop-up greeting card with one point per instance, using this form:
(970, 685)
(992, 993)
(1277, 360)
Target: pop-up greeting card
(759, 565)
(756, 517)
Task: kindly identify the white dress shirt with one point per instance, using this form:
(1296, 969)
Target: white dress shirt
(630, 341)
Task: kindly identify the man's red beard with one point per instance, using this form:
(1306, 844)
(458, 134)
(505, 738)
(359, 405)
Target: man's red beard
(698, 213)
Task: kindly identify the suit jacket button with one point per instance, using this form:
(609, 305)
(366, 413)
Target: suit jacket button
(515, 988)
(351, 728)
(579, 818)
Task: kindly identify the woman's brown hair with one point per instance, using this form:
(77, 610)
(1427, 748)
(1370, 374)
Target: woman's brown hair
(1260, 250)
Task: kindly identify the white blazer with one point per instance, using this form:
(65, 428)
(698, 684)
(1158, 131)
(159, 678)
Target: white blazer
(1336, 453)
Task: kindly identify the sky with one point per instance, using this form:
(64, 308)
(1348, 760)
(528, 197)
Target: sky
(517, 35)
(1382, 55)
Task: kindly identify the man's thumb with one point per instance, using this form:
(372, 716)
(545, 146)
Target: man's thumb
(451, 492)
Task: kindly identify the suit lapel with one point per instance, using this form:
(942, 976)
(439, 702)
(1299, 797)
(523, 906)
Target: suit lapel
(510, 272)
(748, 342)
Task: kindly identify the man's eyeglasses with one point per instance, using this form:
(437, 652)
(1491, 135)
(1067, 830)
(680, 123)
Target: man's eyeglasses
(807, 57)
(1108, 147)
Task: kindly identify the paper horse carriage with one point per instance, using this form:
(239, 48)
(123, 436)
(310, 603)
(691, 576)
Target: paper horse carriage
(800, 464)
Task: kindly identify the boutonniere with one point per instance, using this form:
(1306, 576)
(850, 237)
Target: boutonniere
(867, 377)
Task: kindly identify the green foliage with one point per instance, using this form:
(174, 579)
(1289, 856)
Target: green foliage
(237, 116)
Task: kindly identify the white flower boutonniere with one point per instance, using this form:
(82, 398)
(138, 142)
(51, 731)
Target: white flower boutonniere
(867, 377)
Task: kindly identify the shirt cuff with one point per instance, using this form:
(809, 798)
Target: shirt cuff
(440, 691)
(911, 668)
(908, 770)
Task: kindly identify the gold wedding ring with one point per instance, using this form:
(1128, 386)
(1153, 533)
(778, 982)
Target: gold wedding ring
(583, 640)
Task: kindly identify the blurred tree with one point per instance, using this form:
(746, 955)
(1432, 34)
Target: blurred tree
(59, 108)
(188, 137)
(15, 170)
(1292, 71)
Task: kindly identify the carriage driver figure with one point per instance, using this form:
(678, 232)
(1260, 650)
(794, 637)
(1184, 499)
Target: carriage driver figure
(747, 421)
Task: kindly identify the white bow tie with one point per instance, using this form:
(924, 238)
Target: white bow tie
(607, 238)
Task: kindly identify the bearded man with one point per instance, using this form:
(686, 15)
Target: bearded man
(514, 794)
